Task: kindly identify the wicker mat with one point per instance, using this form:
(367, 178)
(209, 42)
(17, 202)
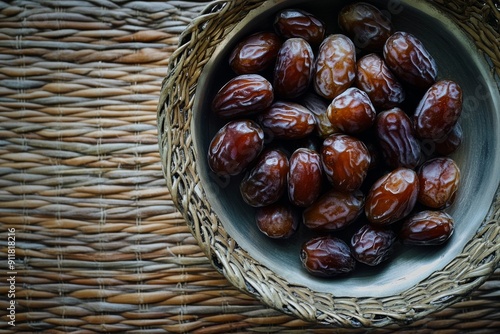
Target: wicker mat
(98, 245)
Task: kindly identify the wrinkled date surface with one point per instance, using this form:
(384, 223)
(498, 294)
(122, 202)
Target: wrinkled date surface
(327, 257)
(291, 23)
(334, 210)
(305, 177)
(234, 146)
(266, 181)
(372, 245)
(335, 68)
(351, 112)
(243, 95)
(427, 228)
(277, 221)
(255, 53)
(396, 138)
(287, 120)
(439, 179)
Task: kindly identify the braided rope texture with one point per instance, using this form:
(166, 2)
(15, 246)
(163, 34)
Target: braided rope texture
(101, 246)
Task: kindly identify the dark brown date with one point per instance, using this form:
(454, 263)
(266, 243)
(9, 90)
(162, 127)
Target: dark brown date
(277, 221)
(243, 95)
(451, 142)
(438, 110)
(439, 179)
(291, 23)
(265, 183)
(304, 177)
(327, 257)
(351, 112)
(345, 161)
(234, 147)
(334, 210)
(408, 58)
(374, 77)
(392, 197)
(255, 53)
(335, 68)
(287, 120)
(294, 68)
(372, 245)
(366, 25)
(318, 106)
(427, 228)
(397, 140)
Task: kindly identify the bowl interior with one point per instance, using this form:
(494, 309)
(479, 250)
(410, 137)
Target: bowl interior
(478, 157)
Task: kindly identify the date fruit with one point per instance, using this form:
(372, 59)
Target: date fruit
(439, 179)
(427, 228)
(287, 120)
(372, 245)
(277, 221)
(439, 110)
(234, 147)
(351, 112)
(345, 161)
(243, 95)
(255, 53)
(392, 197)
(265, 183)
(291, 23)
(335, 68)
(408, 58)
(327, 257)
(305, 177)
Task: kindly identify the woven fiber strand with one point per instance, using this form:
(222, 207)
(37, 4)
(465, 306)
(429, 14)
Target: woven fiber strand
(100, 247)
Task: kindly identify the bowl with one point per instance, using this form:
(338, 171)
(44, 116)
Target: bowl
(464, 41)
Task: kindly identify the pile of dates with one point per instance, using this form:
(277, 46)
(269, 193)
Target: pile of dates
(335, 130)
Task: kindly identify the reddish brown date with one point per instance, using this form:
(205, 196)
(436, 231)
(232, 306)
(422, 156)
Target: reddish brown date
(255, 53)
(304, 177)
(438, 110)
(277, 221)
(333, 211)
(372, 245)
(291, 23)
(439, 179)
(451, 142)
(345, 161)
(427, 228)
(294, 68)
(408, 58)
(327, 257)
(243, 95)
(335, 68)
(287, 120)
(265, 183)
(397, 140)
(376, 79)
(318, 106)
(351, 112)
(234, 147)
(392, 197)
(366, 25)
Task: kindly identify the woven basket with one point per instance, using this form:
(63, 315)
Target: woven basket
(477, 261)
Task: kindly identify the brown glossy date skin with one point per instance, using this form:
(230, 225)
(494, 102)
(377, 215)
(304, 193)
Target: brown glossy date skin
(397, 140)
(255, 53)
(265, 183)
(439, 110)
(293, 69)
(351, 112)
(335, 68)
(345, 161)
(439, 179)
(392, 197)
(277, 221)
(243, 95)
(327, 257)
(372, 245)
(305, 177)
(234, 147)
(366, 25)
(291, 23)
(427, 228)
(333, 211)
(374, 77)
(319, 106)
(287, 120)
(408, 58)
(451, 142)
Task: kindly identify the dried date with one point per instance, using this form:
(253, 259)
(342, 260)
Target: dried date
(351, 112)
(327, 257)
(277, 221)
(305, 177)
(291, 23)
(255, 53)
(372, 245)
(287, 120)
(439, 179)
(427, 228)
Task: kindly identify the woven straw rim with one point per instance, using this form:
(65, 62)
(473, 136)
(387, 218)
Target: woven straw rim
(466, 272)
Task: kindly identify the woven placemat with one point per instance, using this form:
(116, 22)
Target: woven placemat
(96, 243)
